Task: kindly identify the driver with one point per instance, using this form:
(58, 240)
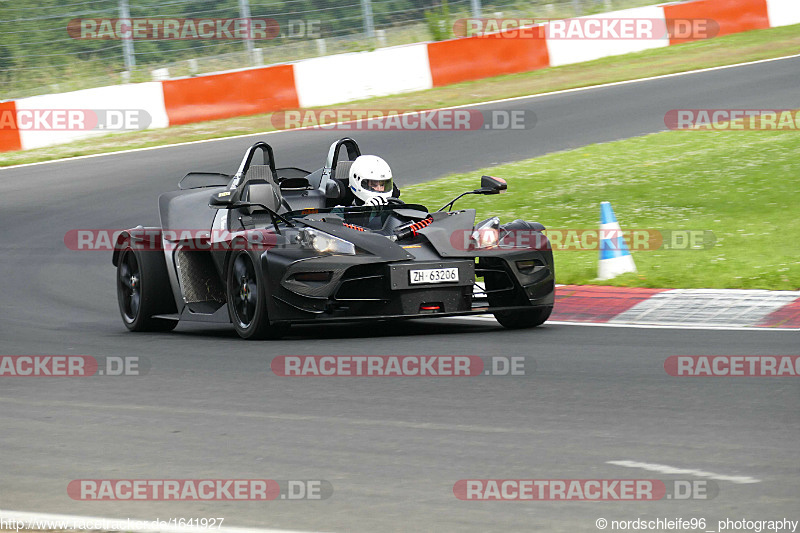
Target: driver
(371, 181)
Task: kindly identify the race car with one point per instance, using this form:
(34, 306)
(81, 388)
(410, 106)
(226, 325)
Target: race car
(269, 247)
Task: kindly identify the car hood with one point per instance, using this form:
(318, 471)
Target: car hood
(443, 233)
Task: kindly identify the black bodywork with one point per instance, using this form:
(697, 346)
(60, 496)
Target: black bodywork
(207, 222)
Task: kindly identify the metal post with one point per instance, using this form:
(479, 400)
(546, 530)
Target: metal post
(244, 12)
(127, 42)
(369, 24)
(476, 9)
(258, 57)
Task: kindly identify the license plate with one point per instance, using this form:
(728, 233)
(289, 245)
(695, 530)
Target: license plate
(433, 275)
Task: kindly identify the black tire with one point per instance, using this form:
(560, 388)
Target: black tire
(247, 304)
(143, 290)
(524, 319)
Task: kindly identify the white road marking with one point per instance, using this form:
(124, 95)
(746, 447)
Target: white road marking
(76, 521)
(485, 318)
(279, 417)
(666, 469)
(472, 105)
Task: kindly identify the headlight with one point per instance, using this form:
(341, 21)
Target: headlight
(325, 243)
(486, 234)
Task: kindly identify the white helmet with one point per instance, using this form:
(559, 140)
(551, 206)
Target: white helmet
(371, 179)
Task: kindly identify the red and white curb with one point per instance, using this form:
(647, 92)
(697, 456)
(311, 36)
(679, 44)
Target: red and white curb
(756, 308)
(683, 308)
(678, 307)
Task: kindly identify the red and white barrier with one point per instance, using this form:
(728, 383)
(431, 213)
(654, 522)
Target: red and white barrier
(141, 96)
(567, 51)
(478, 57)
(347, 77)
(9, 134)
(230, 94)
(783, 12)
(731, 16)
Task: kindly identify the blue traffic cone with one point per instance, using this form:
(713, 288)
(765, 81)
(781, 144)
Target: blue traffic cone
(615, 258)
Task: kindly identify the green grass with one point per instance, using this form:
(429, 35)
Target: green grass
(743, 186)
(730, 49)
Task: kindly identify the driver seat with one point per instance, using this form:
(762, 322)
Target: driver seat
(261, 190)
(342, 176)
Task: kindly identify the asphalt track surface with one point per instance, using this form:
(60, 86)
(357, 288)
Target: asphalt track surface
(391, 447)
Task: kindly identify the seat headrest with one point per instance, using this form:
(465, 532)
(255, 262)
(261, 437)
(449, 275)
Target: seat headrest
(259, 172)
(343, 170)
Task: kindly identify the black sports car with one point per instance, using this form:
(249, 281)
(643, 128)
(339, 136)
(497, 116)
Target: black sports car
(269, 247)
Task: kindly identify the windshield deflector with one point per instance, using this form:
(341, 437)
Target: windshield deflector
(199, 180)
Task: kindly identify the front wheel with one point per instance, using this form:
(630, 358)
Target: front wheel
(529, 318)
(143, 290)
(247, 304)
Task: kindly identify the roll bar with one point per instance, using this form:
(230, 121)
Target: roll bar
(269, 159)
(353, 151)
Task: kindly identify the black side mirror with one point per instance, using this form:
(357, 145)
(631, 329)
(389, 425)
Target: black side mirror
(221, 200)
(492, 185)
(489, 185)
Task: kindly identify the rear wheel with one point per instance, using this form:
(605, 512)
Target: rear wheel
(143, 290)
(247, 303)
(523, 319)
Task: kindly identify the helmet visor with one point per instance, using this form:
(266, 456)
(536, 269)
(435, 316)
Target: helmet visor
(377, 186)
